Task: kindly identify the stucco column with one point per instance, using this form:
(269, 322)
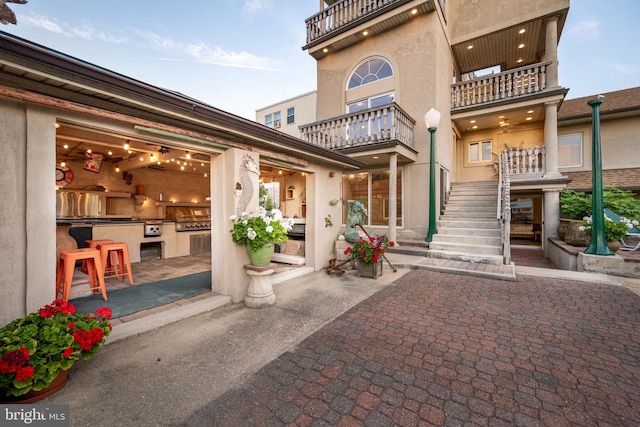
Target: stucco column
(551, 140)
(551, 51)
(393, 195)
(232, 188)
(551, 216)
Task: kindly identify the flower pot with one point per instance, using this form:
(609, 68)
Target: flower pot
(34, 396)
(563, 226)
(372, 271)
(574, 236)
(262, 256)
(614, 245)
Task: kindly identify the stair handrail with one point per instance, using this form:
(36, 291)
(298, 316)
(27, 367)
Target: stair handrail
(504, 205)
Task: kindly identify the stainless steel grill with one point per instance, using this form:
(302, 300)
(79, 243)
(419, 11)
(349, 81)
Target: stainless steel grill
(190, 218)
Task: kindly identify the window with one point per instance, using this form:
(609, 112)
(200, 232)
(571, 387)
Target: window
(570, 150)
(372, 190)
(291, 115)
(367, 125)
(480, 152)
(276, 119)
(370, 70)
(268, 120)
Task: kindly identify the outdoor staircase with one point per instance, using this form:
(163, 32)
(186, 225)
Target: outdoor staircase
(468, 230)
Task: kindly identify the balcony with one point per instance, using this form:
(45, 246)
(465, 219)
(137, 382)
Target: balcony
(509, 85)
(525, 163)
(364, 129)
(344, 15)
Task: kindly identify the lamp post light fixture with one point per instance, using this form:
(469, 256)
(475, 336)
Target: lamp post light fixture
(432, 120)
(598, 245)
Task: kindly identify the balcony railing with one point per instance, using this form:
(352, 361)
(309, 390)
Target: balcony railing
(373, 126)
(523, 161)
(341, 14)
(510, 84)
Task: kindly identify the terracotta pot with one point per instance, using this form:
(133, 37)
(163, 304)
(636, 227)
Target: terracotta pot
(574, 236)
(614, 245)
(35, 396)
(563, 226)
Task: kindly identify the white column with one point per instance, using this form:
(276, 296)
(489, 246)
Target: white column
(551, 217)
(551, 51)
(393, 195)
(551, 140)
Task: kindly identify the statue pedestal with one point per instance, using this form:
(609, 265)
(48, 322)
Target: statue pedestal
(260, 292)
(340, 247)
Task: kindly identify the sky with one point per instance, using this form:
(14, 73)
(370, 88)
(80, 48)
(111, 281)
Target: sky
(244, 55)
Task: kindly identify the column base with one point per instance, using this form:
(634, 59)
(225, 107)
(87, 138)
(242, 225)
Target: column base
(260, 292)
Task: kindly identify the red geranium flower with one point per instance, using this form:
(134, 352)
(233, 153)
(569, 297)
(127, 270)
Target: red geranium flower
(67, 352)
(104, 312)
(24, 373)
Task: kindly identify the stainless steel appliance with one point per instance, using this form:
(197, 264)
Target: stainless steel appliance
(152, 228)
(78, 204)
(189, 218)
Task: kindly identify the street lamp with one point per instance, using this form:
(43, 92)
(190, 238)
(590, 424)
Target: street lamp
(598, 245)
(432, 119)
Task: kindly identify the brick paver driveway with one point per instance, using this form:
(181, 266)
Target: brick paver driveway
(442, 349)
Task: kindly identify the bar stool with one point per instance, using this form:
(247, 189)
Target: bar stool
(66, 266)
(121, 261)
(94, 244)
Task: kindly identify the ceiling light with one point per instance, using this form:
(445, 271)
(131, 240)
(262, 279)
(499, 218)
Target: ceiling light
(501, 117)
(502, 122)
(181, 167)
(63, 164)
(110, 152)
(530, 112)
(519, 61)
(65, 146)
(376, 157)
(126, 145)
(188, 156)
(475, 127)
(529, 118)
(522, 31)
(365, 32)
(201, 164)
(89, 150)
(414, 11)
(205, 175)
(472, 121)
(117, 169)
(521, 45)
(325, 50)
(129, 151)
(57, 125)
(141, 159)
(470, 46)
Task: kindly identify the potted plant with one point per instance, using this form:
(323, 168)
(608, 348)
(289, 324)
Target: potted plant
(614, 231)
(260, 231)
(367, 253)
(38, 349)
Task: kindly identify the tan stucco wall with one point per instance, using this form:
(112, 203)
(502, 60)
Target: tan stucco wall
(304, 112)
(471, 19)
(420, 55)
(619, 139)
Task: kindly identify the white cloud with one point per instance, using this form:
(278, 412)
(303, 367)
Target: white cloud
(586, 30)
(253, 6)
(42, 22)
(84, 31)
(216, 55)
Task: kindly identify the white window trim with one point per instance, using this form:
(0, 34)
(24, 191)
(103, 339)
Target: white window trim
(480, 162)
(581, 164)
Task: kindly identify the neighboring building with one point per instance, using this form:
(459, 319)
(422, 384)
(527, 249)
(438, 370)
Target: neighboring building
(287, 116)
(490, 68)
(52, 107)
(619, 136)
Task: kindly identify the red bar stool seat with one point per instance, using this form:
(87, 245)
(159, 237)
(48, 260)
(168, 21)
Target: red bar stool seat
(66, 267)
(94, 244)
(121, 264)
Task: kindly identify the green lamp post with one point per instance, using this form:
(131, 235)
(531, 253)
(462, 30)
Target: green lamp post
(432, 119)
(598, 245)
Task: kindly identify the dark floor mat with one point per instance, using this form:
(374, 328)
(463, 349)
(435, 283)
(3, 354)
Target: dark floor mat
(141, 297)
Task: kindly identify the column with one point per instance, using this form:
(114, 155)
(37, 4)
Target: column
(551, 51)
(551, 140)
(393, 196)
(551, 217)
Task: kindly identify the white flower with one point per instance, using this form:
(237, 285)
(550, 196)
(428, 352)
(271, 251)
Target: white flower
(251, 234)
(269, 229)
(277, 215)
(582, 228)
(233, 217)
(267, 220)
(245, 222)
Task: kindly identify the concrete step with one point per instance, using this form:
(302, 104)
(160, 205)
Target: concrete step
(468, 216)
(466, 256)
(477, 201)
(461, 231)
(465, 207)
(489, 223)
(465, 248)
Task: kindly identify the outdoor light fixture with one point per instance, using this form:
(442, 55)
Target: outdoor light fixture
(432, 120)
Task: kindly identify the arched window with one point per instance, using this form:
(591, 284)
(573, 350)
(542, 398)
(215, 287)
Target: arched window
(370, 70)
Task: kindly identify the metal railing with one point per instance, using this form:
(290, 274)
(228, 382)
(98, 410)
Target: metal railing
(341, 14)
(504, 206)
(495, 87)
(375, 125)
